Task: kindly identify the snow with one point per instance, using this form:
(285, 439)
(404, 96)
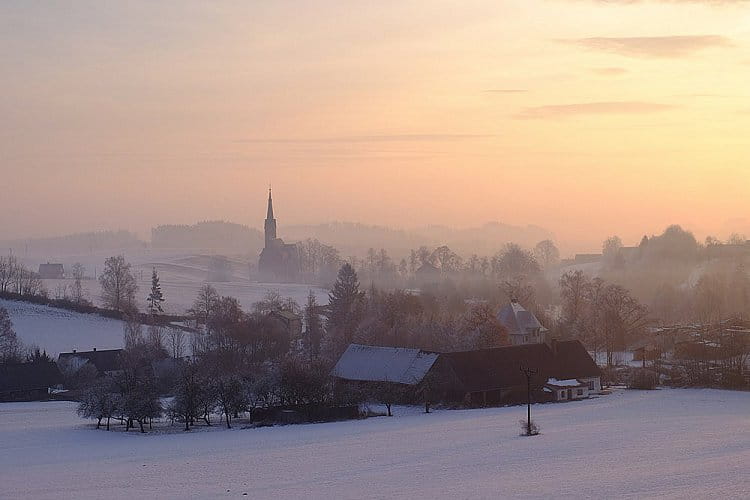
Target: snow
(58, 330)
(675, 443)
(384, 364)
(571, 382)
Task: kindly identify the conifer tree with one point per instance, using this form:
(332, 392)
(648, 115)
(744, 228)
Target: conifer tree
(155, 298)
(345, 306)
(313, 327)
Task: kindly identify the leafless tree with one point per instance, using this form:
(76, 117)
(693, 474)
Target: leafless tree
(176, 342)
(547, 254)
(77, 292)
(118, 284)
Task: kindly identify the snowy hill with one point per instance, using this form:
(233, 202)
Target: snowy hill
(685, 443)
(57, 330)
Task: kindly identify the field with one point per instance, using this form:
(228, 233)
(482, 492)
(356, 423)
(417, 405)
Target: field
(630, 444)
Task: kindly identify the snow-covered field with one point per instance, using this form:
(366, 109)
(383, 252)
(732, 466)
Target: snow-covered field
(57, 330)
(181, 276)
(630, 444)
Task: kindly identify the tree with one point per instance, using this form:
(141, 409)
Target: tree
(231, 396)
(155, 298)
(484, 326)
(118, 284)
(573, 290)
(345, 306)
(78, 293)
(99, 401)
(10, 346)
(313, 327)
(204, 306)
(547, 254)
(175, 342)
(612, 252)
(514, 263)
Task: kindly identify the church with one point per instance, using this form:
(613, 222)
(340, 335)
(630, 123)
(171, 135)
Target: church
(279, 261)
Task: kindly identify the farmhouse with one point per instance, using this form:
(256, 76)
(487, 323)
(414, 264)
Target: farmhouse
(106, 362)
(482, 377)
(398, 365)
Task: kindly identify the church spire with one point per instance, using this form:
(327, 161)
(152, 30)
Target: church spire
(269, 214)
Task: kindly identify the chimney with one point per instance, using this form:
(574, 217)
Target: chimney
(94, 349)
(553, 345)
(74, 351)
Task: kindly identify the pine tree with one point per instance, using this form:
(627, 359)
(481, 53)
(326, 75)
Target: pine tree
(345, 303)
(155, 298)
(313, 327)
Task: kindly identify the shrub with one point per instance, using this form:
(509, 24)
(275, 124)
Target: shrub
(528, 430)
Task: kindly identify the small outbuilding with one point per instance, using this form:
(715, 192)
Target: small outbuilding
(51, 271)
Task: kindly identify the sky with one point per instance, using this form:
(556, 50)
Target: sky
(589, 118)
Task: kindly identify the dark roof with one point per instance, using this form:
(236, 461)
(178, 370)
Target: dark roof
(573, 361)
(517, 319)
(500, 367)
(489, 369)
(28, 376)
(104, 361)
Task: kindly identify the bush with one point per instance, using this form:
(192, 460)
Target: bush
(525, 428)
(642, 379)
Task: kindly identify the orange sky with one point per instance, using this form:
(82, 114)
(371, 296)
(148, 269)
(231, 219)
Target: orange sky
(589, 118)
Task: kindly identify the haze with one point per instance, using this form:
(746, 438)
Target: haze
(587, 118)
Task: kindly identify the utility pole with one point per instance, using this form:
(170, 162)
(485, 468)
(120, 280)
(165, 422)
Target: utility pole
(528, 372)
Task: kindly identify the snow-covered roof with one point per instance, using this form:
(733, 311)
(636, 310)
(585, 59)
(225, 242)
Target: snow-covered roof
(384, 364)
(571, 382)
(518, 320)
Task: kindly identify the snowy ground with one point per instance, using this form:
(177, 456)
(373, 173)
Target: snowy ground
(57, 330)
(181, 274)
(631, 444)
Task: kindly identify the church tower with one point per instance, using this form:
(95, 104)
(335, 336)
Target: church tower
(270, 225)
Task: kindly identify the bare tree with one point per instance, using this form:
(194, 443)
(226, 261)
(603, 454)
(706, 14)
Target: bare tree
(77, 292)
(547, 254)
(176, 342)
(205, 306)
(118, 284)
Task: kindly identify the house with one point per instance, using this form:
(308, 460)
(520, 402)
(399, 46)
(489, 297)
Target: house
(289, 321)
(427, 274)
(398, 365)
(522, 325)
(493, 376)
(106, 362)
(482, 377)
(28, 381)
(51, 271)
(566, 390)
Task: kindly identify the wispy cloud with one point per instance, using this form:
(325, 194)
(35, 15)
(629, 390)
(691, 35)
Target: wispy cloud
(505, 91)
(592, 108)
(611, 71)
(372, 138)
(653, 46)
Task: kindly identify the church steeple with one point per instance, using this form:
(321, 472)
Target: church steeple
(269, 214)
(270, 225)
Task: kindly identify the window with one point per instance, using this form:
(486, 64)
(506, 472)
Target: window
(592, 385)
(525, 338)
(580, 392)
(562, 394)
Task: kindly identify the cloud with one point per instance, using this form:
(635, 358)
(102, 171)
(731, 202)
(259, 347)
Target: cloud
(374, 138)
(611, 71)
(653, 46)
(592, 108)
